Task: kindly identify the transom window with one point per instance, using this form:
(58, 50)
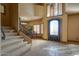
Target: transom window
(54, 9)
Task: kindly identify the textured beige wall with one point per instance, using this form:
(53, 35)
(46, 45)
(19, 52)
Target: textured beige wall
(10, 16)
(73, 27)
(14, 16)
(45, 34)
(64, 28)
(26, 9)
(35, 22)
(39, 10)
(5, 18)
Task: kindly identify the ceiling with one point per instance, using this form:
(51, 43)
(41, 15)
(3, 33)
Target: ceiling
(72, 8)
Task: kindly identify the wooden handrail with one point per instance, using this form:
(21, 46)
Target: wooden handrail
(25, 33)
(26, 38)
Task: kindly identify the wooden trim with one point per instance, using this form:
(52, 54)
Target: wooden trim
(41, 4)
(74, 40)
(73, 14)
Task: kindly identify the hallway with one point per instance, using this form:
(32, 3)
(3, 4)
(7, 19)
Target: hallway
(50, 48)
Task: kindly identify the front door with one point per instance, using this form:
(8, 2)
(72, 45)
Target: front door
(54, 30)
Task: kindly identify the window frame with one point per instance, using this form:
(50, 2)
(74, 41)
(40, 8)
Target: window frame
(40, 32)
(58, 9)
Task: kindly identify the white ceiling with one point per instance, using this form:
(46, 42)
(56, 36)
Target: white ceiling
(72, 7)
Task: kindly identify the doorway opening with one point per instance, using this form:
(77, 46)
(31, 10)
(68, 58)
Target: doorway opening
(54, 30)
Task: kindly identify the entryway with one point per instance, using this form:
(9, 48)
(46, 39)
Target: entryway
(54, 30)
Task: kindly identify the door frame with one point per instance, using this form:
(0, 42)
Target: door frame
(59, 21)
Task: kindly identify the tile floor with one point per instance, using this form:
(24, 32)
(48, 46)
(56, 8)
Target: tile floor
(50, 48)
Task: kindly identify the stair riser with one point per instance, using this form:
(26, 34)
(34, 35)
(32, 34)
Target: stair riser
(10, 43)
(13, 34)
(9, 31)
(13, 38)
(20, 52)
(12, 48)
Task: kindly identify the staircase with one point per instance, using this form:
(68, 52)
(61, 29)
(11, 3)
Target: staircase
(13, 45)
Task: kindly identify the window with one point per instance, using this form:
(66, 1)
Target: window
(60, 9)
(57, 9)
(54, 27)
(54, 9)
(38, 29)
(34, 29)
(48, 10)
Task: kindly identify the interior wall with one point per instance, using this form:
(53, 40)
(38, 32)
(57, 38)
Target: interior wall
(39, 10)
(45, 34)
(72, 8)
(14, 15)
(10, 15)
(64, 27)
(35, 22)
(0, 17)
(26, 9)
(73, 27)
(5, 17)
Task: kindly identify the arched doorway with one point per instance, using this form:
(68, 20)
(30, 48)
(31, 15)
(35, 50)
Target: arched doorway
(54, 30)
